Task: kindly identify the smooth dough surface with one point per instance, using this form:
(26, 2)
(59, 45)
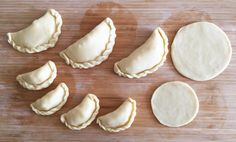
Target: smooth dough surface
(52, 101)
(39, 78)
(201, 51)
(120, 119)
(40, 35)
(93, 48)
(145, 59)
(82, 115)
(174, 104)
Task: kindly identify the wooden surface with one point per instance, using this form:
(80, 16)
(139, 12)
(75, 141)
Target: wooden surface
(135, 21)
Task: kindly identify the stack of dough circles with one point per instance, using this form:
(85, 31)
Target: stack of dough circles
(175, 104)
(201, 51)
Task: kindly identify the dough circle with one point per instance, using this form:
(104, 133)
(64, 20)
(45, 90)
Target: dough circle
(175, 104)
(201, 51)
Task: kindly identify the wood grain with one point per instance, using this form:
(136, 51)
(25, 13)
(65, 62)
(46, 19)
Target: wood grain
(135, 21)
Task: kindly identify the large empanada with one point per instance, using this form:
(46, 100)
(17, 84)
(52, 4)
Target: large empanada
(145, 59)
(39, 78)
(40, 35)
(93, 48)
(120, 119)
(52, 101)
(82, 115)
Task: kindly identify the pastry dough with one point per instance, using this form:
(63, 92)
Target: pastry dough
(39, 78)
(40, 35)
(175, 104)
(82, 115)
(201, 51)
(120, 119)
(93, 48)
(145, 59)
(52, 101)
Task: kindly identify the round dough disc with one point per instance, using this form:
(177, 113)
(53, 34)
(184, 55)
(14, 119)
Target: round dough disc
(201, 51)
(175, 104)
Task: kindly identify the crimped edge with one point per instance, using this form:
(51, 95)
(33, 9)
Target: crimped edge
(127, 124)
(147, 71)
(52, 41)
(42, 85)
(98, 60)
(88, 122)
(56, 108)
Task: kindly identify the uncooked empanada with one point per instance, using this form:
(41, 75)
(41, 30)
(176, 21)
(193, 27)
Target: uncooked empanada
(82, 115)
(40, 35)
(93, 48)
(145, 59)
(52, 101)
(120, 119)
(39, 78)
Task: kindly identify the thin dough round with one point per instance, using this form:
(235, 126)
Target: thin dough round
(145, 59)
(120, 119)
(201, 51)
(175, 104)
(40, 35)
(52, 101)
(39, 78)
(93, 48)
(83, 114)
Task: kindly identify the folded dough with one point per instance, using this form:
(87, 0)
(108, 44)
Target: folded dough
(40, 35)
(82, 115)
(120, 119)
(52, 101)
(39, 78)
(93, 48)
(145, 59)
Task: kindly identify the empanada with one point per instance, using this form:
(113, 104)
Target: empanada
(39, 78)
(52, 101)
(120, 119)
(82, 115)
(40, 35)
(93, 48)
(145, 59)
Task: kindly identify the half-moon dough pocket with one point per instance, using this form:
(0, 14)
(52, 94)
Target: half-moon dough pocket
(120, 119)
(40, 35)
(145, 59)
(39, 78)
(83, 114)
(52, 101)
(93, 48)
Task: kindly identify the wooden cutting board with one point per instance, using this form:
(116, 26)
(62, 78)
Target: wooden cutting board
(135, 21)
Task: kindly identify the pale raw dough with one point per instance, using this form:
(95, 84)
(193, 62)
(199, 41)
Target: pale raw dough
(175, 104)
(120, 119)
(201, 51)
(145, 59)
(52, 101)
(93, 48)
(82, 115)
(40, 35)
(39, 78)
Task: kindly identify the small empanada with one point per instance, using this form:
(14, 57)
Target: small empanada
(145, 59)
(52, 101)
(120, 119)
(40, 35)
(83, 114)
(39, 78)
(93, 48)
